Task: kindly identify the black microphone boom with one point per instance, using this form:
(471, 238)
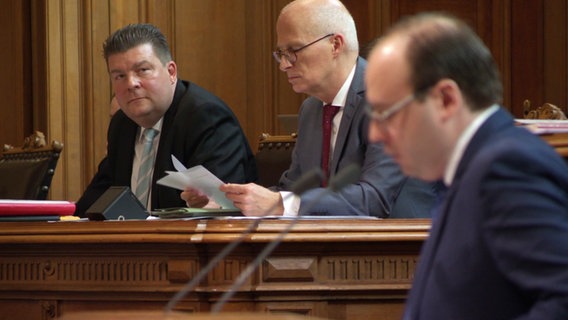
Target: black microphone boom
(311, 179)
(348, 175)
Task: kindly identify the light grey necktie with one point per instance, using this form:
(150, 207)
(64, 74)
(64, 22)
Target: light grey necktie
(145, 170)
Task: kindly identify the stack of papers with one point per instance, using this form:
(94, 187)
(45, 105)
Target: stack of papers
(194, 213)
(197, 178)
(544, 126)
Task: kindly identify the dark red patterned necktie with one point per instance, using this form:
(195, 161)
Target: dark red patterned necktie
(329, 112)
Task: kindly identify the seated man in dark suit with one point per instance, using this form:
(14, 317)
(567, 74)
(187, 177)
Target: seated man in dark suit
(160, 116)
(318, 50)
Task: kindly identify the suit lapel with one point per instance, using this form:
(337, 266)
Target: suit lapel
(125, 155)
(353, 101)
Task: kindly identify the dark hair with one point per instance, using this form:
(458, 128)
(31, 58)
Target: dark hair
(134, 35)
(441, 46)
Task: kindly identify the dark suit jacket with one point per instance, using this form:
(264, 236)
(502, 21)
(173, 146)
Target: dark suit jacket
(198, 129)
(381, 184)
(499, 248)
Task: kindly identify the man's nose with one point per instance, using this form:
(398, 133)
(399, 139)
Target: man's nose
(133, 81)
(284, 64)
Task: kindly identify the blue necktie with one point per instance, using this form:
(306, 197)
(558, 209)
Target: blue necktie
(145, 170)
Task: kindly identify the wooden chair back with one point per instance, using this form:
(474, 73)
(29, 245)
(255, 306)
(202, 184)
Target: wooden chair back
(26, 172)
(273, 157)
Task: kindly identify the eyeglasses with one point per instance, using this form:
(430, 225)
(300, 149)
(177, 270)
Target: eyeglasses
(382, 117)
(290, 54)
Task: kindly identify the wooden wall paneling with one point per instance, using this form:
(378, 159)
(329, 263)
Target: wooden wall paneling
(160, 13)
(492, 22)
(260, 70)
(97, 93)
(123, 12)
(527, 67)
(463, 9)
(65, 87)
(39, 66)
(25, 73)
(372, 18)
(210, 39)
(494, 27)
(555, 54)
(490, 19)
(16, 110)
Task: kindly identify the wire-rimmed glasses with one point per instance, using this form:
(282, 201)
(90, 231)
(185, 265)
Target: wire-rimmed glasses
(383, 116)
(290, 54)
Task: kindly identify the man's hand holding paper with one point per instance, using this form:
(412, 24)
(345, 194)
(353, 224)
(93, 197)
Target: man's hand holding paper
(200, 187)
(196, 199)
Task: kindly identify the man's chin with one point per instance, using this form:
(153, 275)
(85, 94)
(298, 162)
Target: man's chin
(297, 87)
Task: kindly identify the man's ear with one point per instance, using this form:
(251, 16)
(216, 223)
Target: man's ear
(338, 43)
(172, 70)
(450, 95)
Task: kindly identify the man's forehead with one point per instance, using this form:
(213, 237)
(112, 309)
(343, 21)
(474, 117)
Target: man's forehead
(390, 54)
(387, 69)
(290, 30)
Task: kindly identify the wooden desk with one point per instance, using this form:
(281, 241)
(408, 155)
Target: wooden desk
(336, 269)
(559, 141)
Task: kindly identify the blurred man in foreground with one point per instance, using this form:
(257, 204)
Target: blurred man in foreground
(498, 247)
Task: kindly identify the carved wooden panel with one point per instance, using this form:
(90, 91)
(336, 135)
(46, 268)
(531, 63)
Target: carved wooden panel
(225, 273)
(376, 270)
(348, 269)
(292, 269)
(341, 269)
(35, 272)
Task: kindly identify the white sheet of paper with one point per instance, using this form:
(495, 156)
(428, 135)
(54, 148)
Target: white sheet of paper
(177, 164)
(197, 178)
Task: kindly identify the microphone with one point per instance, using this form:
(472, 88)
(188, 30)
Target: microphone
(348, 175)
(311, 179)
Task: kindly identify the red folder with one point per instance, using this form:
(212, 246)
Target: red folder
(36, 208)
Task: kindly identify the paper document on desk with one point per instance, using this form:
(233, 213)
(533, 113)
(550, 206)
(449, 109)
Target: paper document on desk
(197, 178)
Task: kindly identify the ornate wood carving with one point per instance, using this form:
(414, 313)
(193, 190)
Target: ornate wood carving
(293, 269)
(321, 267)
(547, 111)
(49, 310)
(380, 269)
(65, 271)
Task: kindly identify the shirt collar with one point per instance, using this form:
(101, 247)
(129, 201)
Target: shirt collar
(464, 141)
(157, 127)
(341, 96)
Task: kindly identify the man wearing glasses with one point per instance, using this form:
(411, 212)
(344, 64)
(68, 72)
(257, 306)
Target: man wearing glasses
(498, 248)
(318, 50)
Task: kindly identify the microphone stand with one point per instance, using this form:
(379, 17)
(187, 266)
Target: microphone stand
(347, 176)
(309, 180)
